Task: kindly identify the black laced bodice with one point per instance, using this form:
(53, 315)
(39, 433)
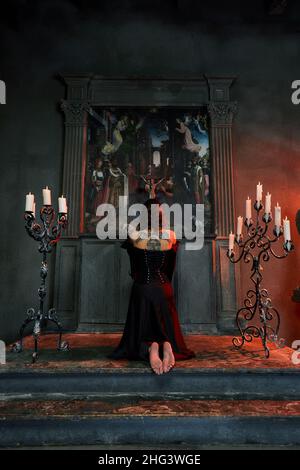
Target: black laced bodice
(148, 266)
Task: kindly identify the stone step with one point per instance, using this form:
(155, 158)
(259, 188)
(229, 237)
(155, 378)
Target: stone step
(191, 383)
(129, 420)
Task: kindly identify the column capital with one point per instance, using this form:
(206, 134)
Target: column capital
(74, 112)
(221, 113)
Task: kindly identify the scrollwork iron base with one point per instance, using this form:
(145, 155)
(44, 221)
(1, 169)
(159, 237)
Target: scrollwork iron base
(38, 323)
(258, 305)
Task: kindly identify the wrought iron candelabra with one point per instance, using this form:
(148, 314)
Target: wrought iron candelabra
(258, 246)
(47, 233)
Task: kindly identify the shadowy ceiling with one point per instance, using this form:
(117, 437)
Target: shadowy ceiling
(213, 13)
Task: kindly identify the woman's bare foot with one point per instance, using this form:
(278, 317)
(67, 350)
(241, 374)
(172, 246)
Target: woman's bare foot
(169, 359)
(155, 360)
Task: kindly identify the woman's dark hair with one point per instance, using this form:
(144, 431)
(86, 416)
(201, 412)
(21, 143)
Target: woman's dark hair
(149, 203)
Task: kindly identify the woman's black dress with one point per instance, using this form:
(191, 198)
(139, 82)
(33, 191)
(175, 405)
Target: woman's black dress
(152, 314)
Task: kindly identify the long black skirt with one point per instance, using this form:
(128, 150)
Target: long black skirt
(151, 316)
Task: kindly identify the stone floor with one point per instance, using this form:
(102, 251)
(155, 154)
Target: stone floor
(89, 350)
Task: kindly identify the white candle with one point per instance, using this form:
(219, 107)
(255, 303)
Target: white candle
(29, 202)
(239, 226)
(62, 205)
(277, 215)
(33, 209)
(231, 241)
(259, 192)
(47, 196)
(248, 208)
(286, 230)
(268, 203)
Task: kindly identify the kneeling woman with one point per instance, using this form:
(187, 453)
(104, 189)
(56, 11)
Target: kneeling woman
(152, 331)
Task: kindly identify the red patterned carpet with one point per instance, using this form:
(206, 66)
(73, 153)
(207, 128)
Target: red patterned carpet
(89, 350)
(141, 407)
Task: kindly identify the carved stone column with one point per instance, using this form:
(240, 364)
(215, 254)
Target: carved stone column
(221, 115)
(74, 108)
(74, 163)
(221, 111)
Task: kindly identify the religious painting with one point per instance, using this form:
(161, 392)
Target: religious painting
(141, 152)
